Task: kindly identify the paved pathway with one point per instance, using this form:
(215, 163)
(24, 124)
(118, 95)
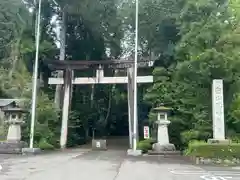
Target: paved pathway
(105, 165)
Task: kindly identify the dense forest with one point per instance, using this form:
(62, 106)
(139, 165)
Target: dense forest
(194, 41)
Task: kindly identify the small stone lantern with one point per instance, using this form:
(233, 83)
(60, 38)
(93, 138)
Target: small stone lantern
(13, 143)
(162, 132)
(14, 119)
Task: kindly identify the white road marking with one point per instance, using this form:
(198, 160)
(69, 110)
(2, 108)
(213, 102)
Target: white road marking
(211, 177)
(218, 173)
(188, 172)
(0, 167)
(208, 175)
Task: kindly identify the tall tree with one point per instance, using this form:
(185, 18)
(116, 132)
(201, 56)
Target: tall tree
(207, 50)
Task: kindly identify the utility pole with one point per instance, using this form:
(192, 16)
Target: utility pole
(135, 118)
(35, 75)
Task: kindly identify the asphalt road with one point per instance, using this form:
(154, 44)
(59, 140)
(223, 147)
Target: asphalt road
(106, 165)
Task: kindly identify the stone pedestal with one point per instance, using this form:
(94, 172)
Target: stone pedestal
(163, 144)
(14, 131)
(162, 132)
(13, 144)
(158, 147)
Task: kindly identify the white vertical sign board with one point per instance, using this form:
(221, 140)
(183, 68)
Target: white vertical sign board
(146, 132)
(218, 110)
(98, 144)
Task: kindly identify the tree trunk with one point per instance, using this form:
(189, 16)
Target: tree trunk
(59, 88)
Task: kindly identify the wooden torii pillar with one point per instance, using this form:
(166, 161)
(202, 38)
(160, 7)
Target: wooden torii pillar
(68, 81)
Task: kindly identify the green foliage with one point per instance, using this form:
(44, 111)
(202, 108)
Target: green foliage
(190, 148)
(145, 145)
(190, 135)
(235, 139)
(14, 17)
(150, 141)
(194, 41)
(44, 145)
(207, 48)
(17, 46)
(47, 125)
(221, 151)
(76, 129)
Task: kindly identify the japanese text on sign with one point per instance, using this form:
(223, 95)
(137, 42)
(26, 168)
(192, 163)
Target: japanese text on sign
(146, 132)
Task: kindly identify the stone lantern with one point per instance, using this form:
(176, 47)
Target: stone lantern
(163, 143)
(13, 143)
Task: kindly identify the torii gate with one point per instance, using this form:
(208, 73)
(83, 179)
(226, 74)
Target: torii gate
(68, 81)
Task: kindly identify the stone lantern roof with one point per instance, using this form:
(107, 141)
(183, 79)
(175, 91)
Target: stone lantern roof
(14, 102)
(162, 108)
(14, 110)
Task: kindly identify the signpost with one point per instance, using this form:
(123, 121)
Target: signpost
(98, 145)
(146, 132)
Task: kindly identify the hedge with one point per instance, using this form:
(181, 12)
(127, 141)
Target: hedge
(221, 151)
(145, 145)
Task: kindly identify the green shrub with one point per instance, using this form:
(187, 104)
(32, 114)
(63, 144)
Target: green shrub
(47, 122)
(145, 145)
(221, 151)
(44, 145)
(190, 135)
(191, 146)
(235, 139)
(150, 141)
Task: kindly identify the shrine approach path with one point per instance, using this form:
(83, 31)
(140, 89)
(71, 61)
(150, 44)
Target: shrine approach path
(84, 164)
